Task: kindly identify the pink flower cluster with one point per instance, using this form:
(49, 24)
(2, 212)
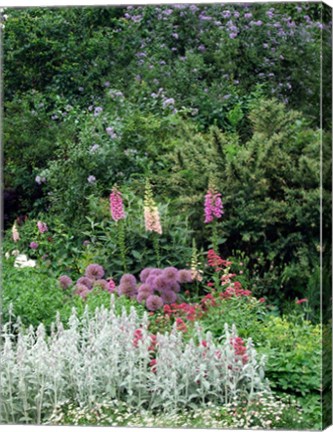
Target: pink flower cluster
(213, 206)
(116, 205)
(42, 227)
(152, 219)
(240, 349)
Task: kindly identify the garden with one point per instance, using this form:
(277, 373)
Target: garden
(161, 236)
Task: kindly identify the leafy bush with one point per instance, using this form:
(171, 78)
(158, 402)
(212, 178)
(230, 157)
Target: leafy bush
(104, 355)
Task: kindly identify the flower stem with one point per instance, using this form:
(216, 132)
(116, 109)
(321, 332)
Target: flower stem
(157, 249)
(121, 243)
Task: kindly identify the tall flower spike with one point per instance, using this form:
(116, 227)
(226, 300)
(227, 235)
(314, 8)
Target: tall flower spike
(15, 233)
(151, 213)
(213, 205)
(116, 205)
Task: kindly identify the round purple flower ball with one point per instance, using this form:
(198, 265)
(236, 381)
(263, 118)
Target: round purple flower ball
(65, 281)
(156, 272)
(170, 273)
(81, 290)
(154, 302)
(85, 281)
(144, 292)
(145, 273)
(127, 290)
(33, 245)
(128, 280)
(162, 283)
(169, 296)
(94, 271)
(185, 276)
(151, 281)
(175, 287)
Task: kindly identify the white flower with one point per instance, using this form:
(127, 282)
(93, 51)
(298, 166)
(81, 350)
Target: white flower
(22, 261)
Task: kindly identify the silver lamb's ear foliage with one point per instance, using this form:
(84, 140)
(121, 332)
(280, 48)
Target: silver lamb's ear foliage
(103, 356)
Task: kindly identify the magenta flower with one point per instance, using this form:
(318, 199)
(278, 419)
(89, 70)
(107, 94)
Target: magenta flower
(42, 227)
(213, 206)
(112, 286)
(33, 245)
(154, 302)
(65, 281)
(116, 205)
(94, 271)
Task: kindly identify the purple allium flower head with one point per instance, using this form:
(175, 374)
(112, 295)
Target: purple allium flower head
(170, 273)
(168, 297)
(102, 283)
(236, 14)
(232, 35)
(227, 96)
(128, 280)
(144, 292)
(185, 276)
(91, 179)
(65, 281)
(156, 272)
(81, 290)
(107, 84)
(213, 206)
(94, 271)
(270, 14)
(154, 302)
(42, 227)
(33, 245)
(145, 273)
(248, 15)
(151, 280)
(175, 35)
(161, 283)
(85, 281)
(116, 205)
(226, 14)
(202, 48)
(127, 290)
(175, 286)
